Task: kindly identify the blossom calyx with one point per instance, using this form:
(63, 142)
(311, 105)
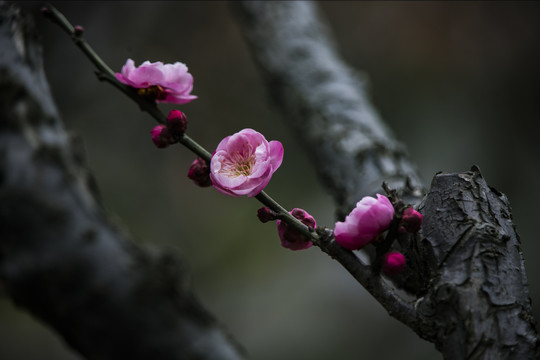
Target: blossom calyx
(411, 221)
(393, 263)
(161, 136)
(199, 172)
(166, 83)
(366, 221)
(244, 163)
(290, 237)
(177, 123)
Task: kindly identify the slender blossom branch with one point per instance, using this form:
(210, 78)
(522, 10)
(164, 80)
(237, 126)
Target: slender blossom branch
(105, 73)
(364, 274)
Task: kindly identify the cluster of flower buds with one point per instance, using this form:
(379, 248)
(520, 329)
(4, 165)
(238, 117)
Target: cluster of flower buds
(165, 135)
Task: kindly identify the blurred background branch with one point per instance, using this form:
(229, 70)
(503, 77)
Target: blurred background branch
(61, 258)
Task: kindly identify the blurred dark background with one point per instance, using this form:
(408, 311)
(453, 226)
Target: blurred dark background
(457, 82)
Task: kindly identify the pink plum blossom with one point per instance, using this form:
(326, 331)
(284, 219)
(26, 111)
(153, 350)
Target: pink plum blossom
(166, 83)
(243, 163)
(290, 237)
(393, 263)
(366, 221)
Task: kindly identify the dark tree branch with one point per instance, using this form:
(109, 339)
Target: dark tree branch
(60, 257)
(465, 271)
(478, 305)
(324, 101)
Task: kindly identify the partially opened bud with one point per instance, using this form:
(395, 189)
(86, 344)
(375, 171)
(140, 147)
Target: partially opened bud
(366, 221)
(393, 263)
(411, 221)
(290, 237)
(161, 136)
(199, 172)
(177, 123)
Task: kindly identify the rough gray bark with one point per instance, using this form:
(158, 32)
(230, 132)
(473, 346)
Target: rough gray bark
(477, 306)
(465, 271)
(60, 257)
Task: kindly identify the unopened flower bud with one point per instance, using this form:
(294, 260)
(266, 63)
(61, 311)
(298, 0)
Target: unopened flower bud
(290, 237)
(45, 10)
(78, 30)
(265, 214)
(161, 136)
(199, 172)
(393, 263)
(411, 221)
(177, 123)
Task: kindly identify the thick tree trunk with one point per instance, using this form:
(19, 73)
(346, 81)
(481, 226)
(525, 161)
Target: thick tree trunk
(465, 271)
(477, 305)
(60, 257)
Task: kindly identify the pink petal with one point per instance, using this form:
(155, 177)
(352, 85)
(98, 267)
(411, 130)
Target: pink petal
(145, 76)
(276, 154)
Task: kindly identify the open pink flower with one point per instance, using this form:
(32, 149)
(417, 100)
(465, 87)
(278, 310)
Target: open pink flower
(243, 163)
(368, 219)
(290, 237)
(166, 83)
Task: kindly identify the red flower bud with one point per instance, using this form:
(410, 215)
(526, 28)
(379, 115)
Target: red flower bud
(199, 172)
(411, 221)
(177, 123)
(393, 263)
(161, 136)
(78, 30)
(265, 214)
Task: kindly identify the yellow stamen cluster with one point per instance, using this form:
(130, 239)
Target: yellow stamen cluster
(239, 164)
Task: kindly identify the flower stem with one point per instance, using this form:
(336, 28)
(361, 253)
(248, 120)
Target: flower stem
(105, 73)
(195, 147)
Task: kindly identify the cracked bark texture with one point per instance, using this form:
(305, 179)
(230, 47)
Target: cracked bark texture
(60, 257)
(466, 273)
